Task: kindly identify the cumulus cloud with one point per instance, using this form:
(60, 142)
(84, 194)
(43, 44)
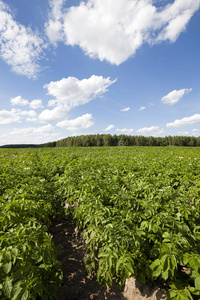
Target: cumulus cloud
(185, 121)
(55, 114)
(147, 130)
(176, 16)
(125, 130)
(19, 101)
(36, 130)
(142, 108)
(16, 115)
(54, 27)
(195, 130)
(30, 135)
(34, 104)
(71, 92)
(20, 47)
(114, 30)
(125, 109)
(7, 117)
(174, 96)
(82, 122)
(109, 127)
(31, 115)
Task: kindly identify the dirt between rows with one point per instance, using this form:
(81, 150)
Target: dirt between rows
(77, 284)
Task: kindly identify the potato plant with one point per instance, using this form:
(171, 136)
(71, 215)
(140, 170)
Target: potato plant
(139, 208)
(28, 258)
(140, 211)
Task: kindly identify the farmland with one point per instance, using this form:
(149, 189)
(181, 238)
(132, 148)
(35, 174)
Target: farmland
(138, 207)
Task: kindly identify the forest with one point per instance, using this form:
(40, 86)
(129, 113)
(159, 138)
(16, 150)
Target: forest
(124, 140)
(100, 140)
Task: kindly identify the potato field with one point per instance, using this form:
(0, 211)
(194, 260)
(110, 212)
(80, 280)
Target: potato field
(138, 207)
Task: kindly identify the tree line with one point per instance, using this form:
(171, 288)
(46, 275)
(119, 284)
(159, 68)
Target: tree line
(101, 140)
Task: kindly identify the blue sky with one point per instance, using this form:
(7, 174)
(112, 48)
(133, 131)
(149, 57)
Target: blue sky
(98, 66)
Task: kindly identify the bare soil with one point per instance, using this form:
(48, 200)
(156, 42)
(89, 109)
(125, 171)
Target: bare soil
(77, 284)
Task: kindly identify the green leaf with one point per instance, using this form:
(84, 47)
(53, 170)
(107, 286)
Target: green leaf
(165, 263)
(129, 268)
(18, 275)
(119, 262)
(15, 251)
(157, 271)
(7, 256)
(197, 283)
(103, 254)
(191, 289)
(185, 295)
(166, 235)
(155, 264)
(172, 293)
(165, 275)
(43, 266)
(25, 295)
(16, 290)
(7, 267)
(7, 287)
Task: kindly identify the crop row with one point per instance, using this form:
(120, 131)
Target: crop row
(139, 208)
(28, 258)
(140, 211)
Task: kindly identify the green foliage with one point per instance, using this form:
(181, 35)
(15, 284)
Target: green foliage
(139, 209)
(28, 259)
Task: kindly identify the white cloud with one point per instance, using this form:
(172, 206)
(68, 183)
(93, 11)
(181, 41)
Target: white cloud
(185, 121)
(54, 31)
(195, 130)
(7, 117)
(20, 47)
(30, 135)
(31, 115)
(82, 122)
(19, 101)
(177, 16)
(34, 104)
(56, 114)
(30, 130)
(52, 103)
(183, 132)
(125, 130)
(114, 30)
(22, 131)
(174, 96)
(44, 129)
(54, 27)
(71, 92)
(147, 130)
(16, 115)
(125, 109)
(142, 108)
(109, 127)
